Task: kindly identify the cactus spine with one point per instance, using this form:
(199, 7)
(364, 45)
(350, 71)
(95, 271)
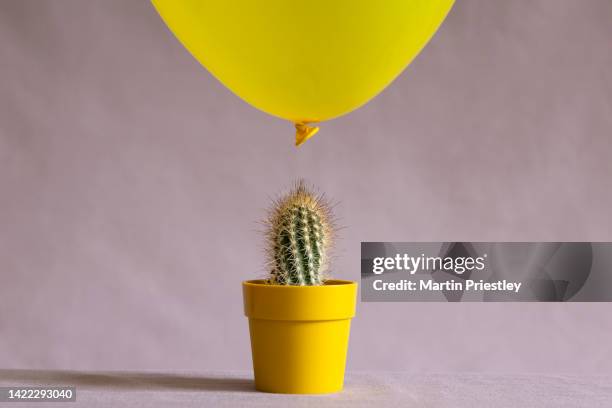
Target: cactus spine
(299, 234)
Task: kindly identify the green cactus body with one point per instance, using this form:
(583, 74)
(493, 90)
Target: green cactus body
(299, 236)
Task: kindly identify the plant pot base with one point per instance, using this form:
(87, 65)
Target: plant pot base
(299, 357)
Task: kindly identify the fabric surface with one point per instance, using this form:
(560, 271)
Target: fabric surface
(191, 389)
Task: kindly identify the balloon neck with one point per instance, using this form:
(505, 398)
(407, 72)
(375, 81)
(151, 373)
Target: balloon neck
(303, 132)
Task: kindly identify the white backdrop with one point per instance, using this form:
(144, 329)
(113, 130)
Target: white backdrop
(131, 183)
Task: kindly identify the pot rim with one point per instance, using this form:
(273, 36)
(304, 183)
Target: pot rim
(327, 282)
(334, 300)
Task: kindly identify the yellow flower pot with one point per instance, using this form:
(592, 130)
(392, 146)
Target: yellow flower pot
(299, 335)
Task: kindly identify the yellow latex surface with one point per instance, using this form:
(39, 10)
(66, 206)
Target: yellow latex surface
(299, 335)
(304, 60)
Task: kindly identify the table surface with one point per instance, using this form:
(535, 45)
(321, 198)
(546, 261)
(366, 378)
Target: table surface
(213, 389)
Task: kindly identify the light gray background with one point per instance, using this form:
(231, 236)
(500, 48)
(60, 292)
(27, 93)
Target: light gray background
(131, 182)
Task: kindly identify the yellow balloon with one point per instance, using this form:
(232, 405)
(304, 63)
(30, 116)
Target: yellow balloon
(304, 60)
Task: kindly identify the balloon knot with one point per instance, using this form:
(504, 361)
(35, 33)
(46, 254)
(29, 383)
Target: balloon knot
(303, 132)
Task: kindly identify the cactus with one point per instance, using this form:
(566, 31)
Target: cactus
(299, 235)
